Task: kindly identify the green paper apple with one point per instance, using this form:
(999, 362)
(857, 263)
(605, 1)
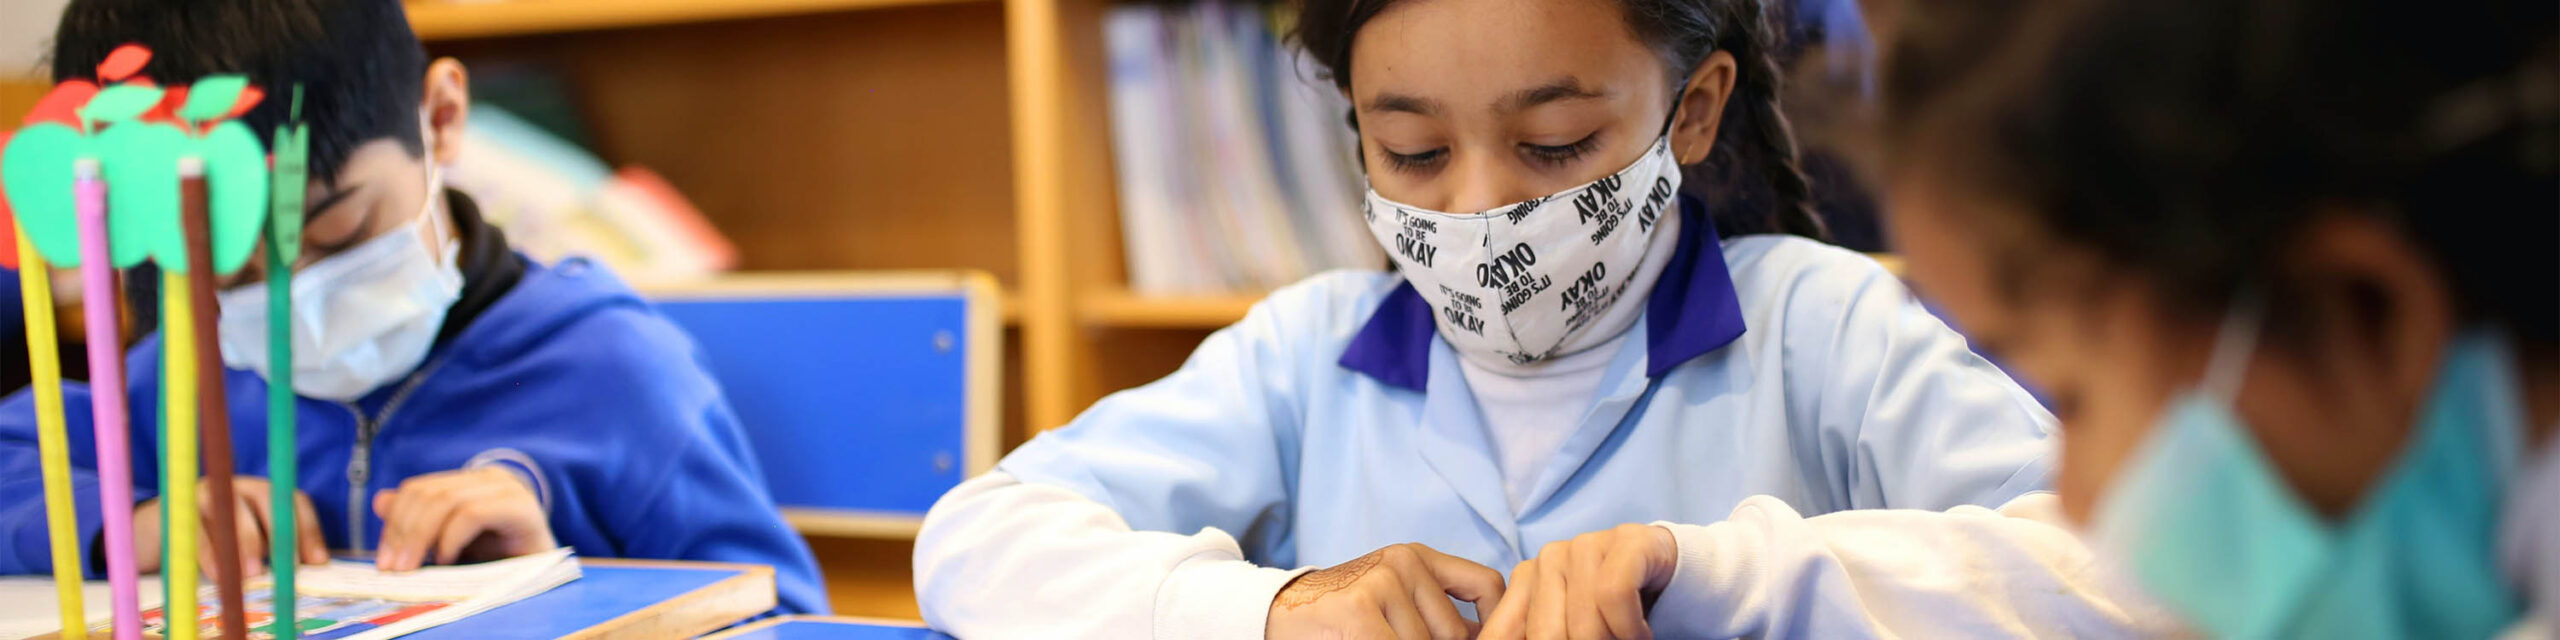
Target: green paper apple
(35, 172)
(119, 103)
(134, 131)
(235, 173)
(140, 163)
(211, 97)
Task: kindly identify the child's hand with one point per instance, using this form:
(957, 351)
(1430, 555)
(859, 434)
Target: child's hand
(462, 515)
(1401, 591)
(249, 517)
(1593, 586)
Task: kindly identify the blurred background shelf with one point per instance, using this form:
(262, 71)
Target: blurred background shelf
(458, 19)
(1125, 309)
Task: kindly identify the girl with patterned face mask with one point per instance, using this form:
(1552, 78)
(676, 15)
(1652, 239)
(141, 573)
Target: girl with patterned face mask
(2286, 269)
(1569, 343)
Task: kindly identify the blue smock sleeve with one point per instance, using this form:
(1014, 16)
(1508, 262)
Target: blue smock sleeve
(1162, 511)
(1213, 445)
(1905, 415)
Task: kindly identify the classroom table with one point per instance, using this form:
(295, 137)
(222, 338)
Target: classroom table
(829, 628)
(612, 598)
(39, 616)
(624, 598)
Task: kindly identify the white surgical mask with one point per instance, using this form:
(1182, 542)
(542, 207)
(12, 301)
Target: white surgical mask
(362, 318)
(1519, 281)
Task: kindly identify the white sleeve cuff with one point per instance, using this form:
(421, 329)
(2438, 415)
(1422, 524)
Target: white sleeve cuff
(1713, 584)
(1212, 595)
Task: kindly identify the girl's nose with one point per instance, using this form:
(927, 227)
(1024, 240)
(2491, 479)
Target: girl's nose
(1479, 183)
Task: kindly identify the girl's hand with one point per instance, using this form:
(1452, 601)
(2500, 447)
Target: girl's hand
(463, 515)
(1401, 591)
(1596, 585)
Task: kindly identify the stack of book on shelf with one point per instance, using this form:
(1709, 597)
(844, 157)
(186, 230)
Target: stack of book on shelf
(556, 200)
(1237, 172)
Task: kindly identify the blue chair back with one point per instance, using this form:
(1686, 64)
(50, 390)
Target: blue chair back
(866, 395)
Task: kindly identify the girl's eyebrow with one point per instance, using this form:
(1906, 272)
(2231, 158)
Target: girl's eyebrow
(1397, 102)
(1557, 90)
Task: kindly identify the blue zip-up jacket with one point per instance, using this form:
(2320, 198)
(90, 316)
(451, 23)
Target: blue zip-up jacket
(570, 378)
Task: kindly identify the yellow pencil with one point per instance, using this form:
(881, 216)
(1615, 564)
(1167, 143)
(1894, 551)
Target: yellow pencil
(178, 365)
(35, 288)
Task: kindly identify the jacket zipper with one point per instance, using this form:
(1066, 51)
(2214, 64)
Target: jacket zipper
(359, 473)
(360, 465)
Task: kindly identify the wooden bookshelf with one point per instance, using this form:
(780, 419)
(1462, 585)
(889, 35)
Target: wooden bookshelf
(816, 134)
(1123, 309)
(1120, 308)
(452, 19)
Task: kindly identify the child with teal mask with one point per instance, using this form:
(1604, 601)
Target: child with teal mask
(2287, 272)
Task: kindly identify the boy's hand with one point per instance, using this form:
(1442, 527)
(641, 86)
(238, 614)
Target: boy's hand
(1593, 586)
(250, 516)
(1401, 591)
(457, 516)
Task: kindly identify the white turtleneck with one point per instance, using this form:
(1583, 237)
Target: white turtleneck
(1530, 409)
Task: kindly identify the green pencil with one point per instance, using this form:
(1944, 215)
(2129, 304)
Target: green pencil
(284, 245)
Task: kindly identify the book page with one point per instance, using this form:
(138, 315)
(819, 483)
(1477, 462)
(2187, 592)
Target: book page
(427, 584)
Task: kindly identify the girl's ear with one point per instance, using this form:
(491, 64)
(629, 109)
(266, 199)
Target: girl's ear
(1701, 108)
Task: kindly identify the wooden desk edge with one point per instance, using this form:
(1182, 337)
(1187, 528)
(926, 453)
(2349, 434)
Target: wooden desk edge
(738, 588)
(702, 610)
(769, 623)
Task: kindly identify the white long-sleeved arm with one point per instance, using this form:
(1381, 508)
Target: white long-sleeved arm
(1969, 572)
(1146, 516)
(1890, 408)
(998, 558)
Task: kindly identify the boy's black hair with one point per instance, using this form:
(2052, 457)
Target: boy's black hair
(1759, 185)
(360, 67)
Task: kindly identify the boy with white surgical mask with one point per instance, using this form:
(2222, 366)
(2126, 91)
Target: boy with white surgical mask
(448, 386)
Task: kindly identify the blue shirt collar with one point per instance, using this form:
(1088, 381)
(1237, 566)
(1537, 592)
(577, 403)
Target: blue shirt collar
(1692, 311)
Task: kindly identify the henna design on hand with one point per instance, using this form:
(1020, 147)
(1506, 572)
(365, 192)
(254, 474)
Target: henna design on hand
(1315, 584)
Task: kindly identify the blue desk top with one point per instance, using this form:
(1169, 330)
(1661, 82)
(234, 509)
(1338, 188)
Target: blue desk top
(807, 628)
(602, 593)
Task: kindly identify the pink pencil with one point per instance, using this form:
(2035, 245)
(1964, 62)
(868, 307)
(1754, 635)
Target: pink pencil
(106, 399)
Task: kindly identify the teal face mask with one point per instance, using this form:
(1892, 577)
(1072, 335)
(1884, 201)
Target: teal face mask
(2204, 522)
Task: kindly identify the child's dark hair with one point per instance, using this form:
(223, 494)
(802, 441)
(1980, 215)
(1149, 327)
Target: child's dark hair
(1765, 191)
(360, 68)
(2185, 140)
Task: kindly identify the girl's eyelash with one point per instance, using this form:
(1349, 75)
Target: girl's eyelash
(1562, 155)
(1413, 161)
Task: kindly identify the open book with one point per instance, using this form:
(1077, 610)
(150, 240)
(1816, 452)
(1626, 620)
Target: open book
(349, 600)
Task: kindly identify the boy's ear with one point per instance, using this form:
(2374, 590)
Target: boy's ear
(447, 106)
